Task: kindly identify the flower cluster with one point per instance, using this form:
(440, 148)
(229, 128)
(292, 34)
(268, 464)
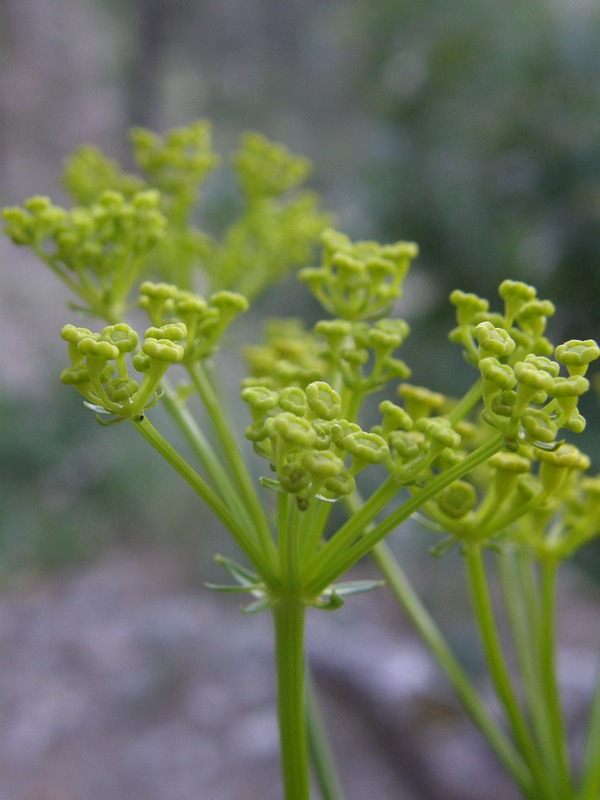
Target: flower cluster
(520, 490)
(420, 441)
(359, 280)
(99, 250)
(100, 372)
(313, 450)
(525, 395)
(275, 231)
(205, 321)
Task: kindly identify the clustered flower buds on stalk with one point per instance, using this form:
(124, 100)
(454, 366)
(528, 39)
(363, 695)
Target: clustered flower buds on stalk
(495, 467)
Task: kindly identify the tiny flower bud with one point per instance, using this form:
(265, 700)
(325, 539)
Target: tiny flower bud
(323, 401)
(457, 499)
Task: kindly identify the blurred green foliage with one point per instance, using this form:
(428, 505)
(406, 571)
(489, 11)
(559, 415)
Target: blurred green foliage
(487, 149)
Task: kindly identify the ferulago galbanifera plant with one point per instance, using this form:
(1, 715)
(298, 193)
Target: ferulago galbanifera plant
(496, 471)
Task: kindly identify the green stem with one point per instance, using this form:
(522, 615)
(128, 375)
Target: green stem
(466, 404)
(350, 543)
(204, 452)
(484, 616)
(208, 495)
(548, 676)
(590, 768)
(235, 460)
(288, 615)
(466, 691)
(523, 609)
(319, 747)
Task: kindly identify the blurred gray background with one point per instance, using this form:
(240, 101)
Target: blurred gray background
(471, 127)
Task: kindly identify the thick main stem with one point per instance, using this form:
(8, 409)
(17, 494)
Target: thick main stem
(288, 616)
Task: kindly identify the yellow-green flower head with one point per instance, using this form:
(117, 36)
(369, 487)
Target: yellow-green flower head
(267, 168)
(323, 401)
(365, 447)
(359, 281)
(493, 341)
(468, 306)
(534, 375)
(515, 294)
(163, 350)
(576, 355)
(438, 430)
(499, 375)
(556, 465)
(457, 499)
(420, 401)
(177, 161)
(295, 430)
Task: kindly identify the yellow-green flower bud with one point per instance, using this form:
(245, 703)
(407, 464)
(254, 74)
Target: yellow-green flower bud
(75, 376)
(322, 463)
(141, 362)
(556, 465)
(515, 295)
(532, 317)
(365, 447)
(164, 350)
(538, 426)
(97, 348)
(229, 303)
(440, 431)
(507, 469)
(122, 336)
(174, 331)
(260, 398)
(119, 390)
(493, 341)
(420, 401)
(457, 499)
(500, 375)
(576, 355)
(340, 485)
(468, 306)
(293, 399)
(394, 418)
(295, 430)
(406, 445)
(576, 423)
(323, 401)
(530, 374)
(294, 478)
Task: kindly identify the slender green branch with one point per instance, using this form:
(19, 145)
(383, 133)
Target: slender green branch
(204, 452)
(590, 767)
(343, 550)
(467, 692)
(523, 609)
(548, 677)
(289, 615)
(234, 459)
(319, 747)
(484, 616)
(207, 494)
(466, 404)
